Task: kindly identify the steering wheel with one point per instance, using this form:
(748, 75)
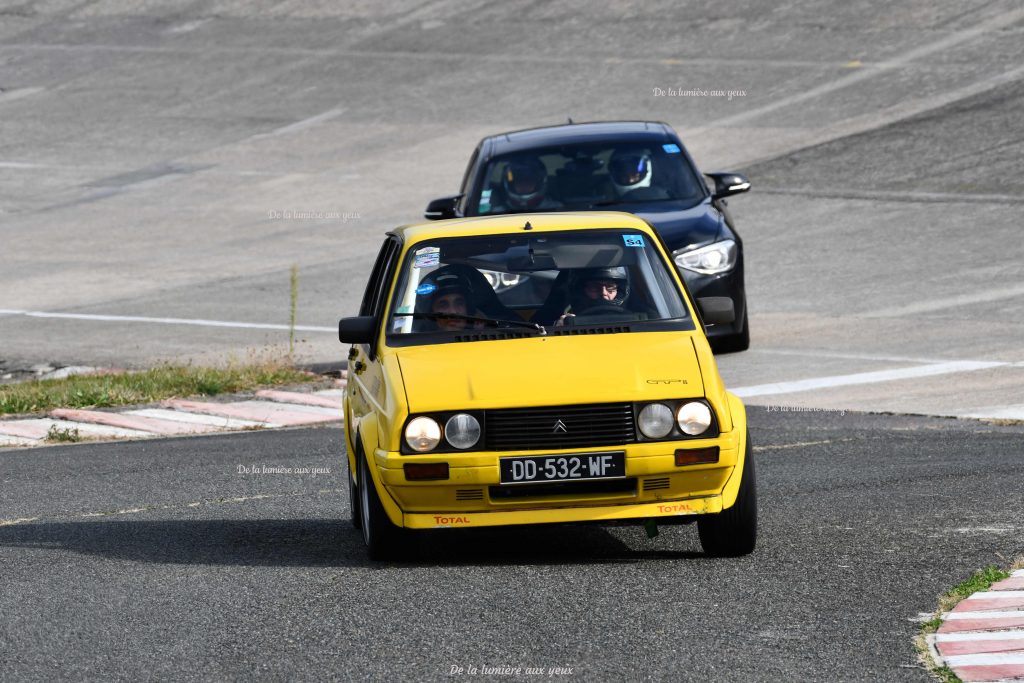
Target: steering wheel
(603, 309)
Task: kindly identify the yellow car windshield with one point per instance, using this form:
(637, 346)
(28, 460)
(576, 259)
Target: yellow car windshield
(535, 281)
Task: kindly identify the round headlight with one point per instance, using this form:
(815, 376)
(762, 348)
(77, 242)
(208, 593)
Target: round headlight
(655, 420)
(422, 434)
(694, 418)
(462, 431)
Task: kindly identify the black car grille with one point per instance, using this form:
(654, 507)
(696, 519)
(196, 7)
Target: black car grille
(554, 427)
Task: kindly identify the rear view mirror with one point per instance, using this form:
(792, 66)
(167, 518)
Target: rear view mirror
(442, 207)
(716, 310)
(728, 184)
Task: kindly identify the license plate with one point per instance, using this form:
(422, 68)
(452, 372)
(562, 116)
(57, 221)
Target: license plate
(541, 468)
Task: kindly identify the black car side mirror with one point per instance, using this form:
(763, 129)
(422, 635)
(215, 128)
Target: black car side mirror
(716, 310)
(442, 207)
(728, 184)
(357, 330)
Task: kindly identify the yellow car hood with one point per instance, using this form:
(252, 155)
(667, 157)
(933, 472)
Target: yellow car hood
(550, 371)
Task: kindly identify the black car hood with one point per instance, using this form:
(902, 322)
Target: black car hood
(680, 227)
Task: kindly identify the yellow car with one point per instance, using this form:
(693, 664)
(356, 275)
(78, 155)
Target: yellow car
(538, 369)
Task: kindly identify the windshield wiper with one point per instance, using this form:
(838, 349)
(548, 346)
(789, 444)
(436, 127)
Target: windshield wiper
(492, 322)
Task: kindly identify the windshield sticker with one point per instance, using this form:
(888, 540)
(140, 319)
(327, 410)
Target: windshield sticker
(485, 201)
(426, 288)
(671, 148)
(633, 240)
(427, 257)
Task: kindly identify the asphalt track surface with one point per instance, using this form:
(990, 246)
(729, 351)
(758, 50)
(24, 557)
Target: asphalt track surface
(166, 560)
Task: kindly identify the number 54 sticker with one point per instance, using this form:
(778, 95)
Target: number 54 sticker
(633, 240)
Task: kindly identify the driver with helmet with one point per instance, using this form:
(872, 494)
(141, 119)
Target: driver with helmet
(631, 172)
(597, 290)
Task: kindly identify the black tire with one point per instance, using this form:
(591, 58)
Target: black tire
(353, 501)
(384, 540)
(733, 342)
(733, 531)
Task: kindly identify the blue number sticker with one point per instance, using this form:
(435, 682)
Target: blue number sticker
(426, 288)
(633, 240)
(671, 148)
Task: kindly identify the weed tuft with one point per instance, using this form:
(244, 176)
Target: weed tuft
(63, 434)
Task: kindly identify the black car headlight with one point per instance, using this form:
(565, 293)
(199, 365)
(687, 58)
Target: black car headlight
(712, 259)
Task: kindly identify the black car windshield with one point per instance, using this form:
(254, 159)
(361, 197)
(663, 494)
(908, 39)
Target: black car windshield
(539, 283)
(582, 176)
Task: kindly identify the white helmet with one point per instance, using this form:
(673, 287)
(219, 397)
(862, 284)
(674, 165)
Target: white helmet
(630, 170)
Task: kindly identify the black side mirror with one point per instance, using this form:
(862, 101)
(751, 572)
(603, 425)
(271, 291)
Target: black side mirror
(728, 184)
(442, 207)
(716, 310)
(357, 330)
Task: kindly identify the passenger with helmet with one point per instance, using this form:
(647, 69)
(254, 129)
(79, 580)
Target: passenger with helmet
(524, 187)
(631, 172)
(597, 291)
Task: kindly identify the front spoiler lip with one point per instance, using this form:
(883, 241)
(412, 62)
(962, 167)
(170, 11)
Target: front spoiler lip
(608, 512)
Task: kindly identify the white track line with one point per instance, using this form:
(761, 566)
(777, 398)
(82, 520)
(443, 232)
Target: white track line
(197, 418)
(985, 616)
(985, 660)
(864, 378)
(164, 321)
(970, 637)
(301, 125)
(6, 440)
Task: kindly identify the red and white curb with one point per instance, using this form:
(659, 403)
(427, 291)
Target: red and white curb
(270, 409)
(982, 638)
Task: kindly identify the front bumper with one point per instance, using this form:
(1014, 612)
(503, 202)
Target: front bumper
(472, 496)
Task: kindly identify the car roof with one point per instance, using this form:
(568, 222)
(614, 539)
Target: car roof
(516, 222)
(570, 133)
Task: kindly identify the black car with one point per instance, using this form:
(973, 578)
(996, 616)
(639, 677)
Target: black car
(637, 166)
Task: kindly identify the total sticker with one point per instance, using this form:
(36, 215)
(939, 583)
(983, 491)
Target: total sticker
(426, 288)
(427, 257)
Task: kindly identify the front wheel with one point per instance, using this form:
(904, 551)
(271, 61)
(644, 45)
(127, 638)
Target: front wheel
(733, 532)
(384, 540)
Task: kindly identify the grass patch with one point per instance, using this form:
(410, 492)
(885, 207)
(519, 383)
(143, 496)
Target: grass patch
(980, 581)
(67, 435)
(148, 386)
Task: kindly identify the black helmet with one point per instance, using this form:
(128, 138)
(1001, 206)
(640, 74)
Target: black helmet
(445, 280)
(617, 274)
